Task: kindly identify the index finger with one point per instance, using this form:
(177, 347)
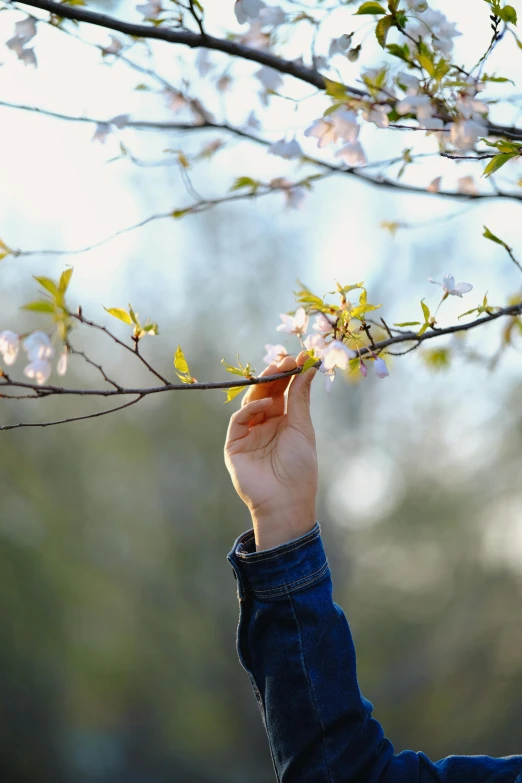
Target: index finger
(274, 389)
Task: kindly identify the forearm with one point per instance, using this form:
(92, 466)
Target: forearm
(296, 645)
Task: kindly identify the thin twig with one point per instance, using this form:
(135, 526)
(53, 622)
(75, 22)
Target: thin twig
(80, 317)
(73, 418)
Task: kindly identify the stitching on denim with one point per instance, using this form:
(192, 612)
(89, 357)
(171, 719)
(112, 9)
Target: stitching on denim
(285, 588)
(311, 689)
(257, 556)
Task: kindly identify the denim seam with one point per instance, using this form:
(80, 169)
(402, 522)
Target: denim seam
(311, 689)
(260, 556)
(292, 586)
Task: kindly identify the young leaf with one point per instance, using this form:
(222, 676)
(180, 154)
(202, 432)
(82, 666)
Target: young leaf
(47, 283)
(371, 8)
(233, 392)
(122, 315)
(382, 29)
(496, 163)
(425, 310)
(335, 89)
(245, 182)
(309, 363)
(65, 279)
(39, 307)
(180, 363)
(408, 323)
(487, 233)
(508, 14)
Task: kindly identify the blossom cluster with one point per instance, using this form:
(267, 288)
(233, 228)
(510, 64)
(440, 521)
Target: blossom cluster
(334, 354)
(39, 350)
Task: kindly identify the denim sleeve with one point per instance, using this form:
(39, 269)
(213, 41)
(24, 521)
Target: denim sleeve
(295, 644)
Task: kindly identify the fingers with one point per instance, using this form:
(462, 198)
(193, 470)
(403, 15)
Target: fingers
(241, 420)
(299, 396)
(274, 389)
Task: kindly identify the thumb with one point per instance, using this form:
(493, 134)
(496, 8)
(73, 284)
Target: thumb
(299, 400)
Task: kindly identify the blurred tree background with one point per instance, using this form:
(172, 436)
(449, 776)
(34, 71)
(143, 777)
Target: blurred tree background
(119, 607)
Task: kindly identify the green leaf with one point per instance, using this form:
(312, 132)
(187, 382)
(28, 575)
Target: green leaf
(423, 329)
(508, 14)
(40, 306)
(335, 89)
(230, 368)
(402, 52)
(468, 312)
(489, 235)
(233, 392)
(178, 213)
(47, 283)
(425, 310)
(245, 182)
(133, 316)
(65, 279)
(409, 323)
(370, 8)
(309, 363)
(382, 29)
(496, 163)
(180, 363)
(122, 315)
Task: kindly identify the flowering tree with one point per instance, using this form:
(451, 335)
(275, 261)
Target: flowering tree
(418, 88)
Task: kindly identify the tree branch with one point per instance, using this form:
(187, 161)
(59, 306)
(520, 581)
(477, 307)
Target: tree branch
(202, 40)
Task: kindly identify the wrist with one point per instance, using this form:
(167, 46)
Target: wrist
(283, 524)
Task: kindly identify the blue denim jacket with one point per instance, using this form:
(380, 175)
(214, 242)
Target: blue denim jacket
(296, 645)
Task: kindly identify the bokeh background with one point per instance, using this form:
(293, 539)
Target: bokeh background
(118, 607)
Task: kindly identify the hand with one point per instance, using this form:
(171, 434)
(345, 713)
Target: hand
(271, 455)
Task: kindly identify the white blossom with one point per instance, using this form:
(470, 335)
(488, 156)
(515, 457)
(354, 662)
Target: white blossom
(323, 130)
(436, 25)
(411, 83)
(323, 325)
(352, 154)
(102, 131)
(294, 324)
(114, 47)
(345, 124)
(247, 9)
(419, 104)
(377, 114)
(272, 16)
(38, 370)
(203, 62)
(467, 186)
(340, 45)
(274, 353)
(434, 185)
(295, 197)
(337, 354)
(252, 121)
(269, 78)
(450, 288)
(464, 134)
(9, 346)
(379, 365)
(286, 149)
(255, 37)
(61, 367)
(315, 343)
(150, 10)
(25, 30)
(329, 378)
(38, 346)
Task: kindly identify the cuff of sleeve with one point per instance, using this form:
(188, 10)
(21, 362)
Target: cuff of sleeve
(284, 569)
